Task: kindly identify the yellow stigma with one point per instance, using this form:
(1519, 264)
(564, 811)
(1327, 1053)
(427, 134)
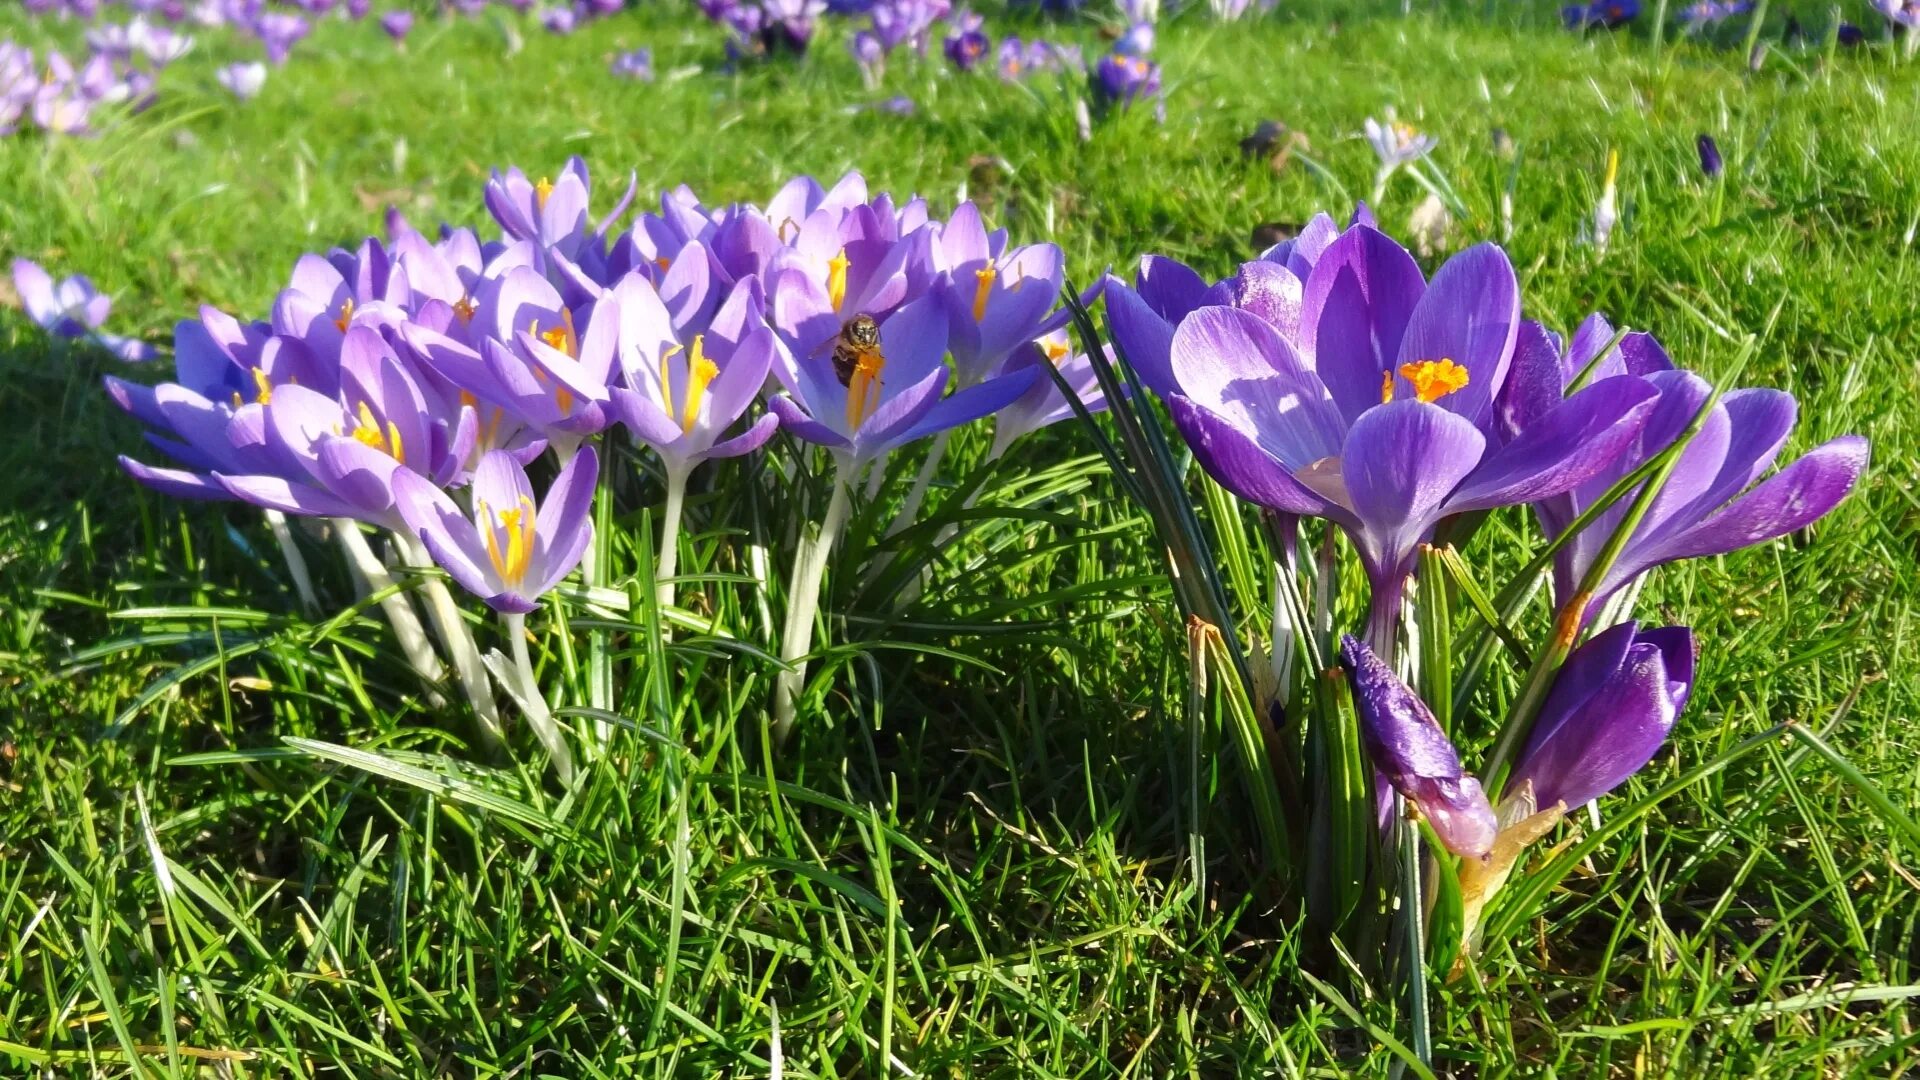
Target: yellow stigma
(368, 433)
(663, 263)
(700, 372)
(1613, 167)
(785, 224)
(982, 286)
(1056, 349)
(863, 389)
(264, 388)
(518, 523)
(346, 315)
(837, 279)
(560, 337)
(540, 192)
(1431, 379)
(464, 309)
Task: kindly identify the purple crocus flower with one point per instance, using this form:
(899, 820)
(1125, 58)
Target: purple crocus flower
(1612, 704)
(397, 24)
(359, 9)
(869, 54)
(552, 214)
(508, 552)
(1710, 504)
(1137, 40)
(1611, 14)
(559, 20)
(1900, 13)
(1043, 404)
(1121, 79)
(996, 299)
(686, 384)
(71, 308)
(967, 45)
(1382, 418)
(1710, 162)
(1411, 752)
(892, 397)
(160, 45)
(789, 24)
(243, 80)
(635, 64)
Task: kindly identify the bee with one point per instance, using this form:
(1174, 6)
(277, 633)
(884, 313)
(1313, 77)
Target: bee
(859, 339)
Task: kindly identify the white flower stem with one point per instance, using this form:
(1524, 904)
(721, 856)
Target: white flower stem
(921, 483)
(532, 699)
(406, 625)
(455, 637)
(803, 602)
(296, 562)
(669, 554)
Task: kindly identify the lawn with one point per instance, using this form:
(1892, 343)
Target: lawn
(977, 856)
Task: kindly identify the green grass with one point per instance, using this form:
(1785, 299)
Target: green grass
(974, 858)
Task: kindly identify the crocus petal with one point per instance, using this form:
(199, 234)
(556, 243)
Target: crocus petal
(1569, 445)
(177, 483)
(451, 539)
(1239, 463)
(1411, 751)
(1469, 314)
(1354, 312)
(747, 441)
(1169, 287)
(970, 404)
(795, 420)
(1143, 337)
(645, 419)
(1792, 498)
(564, 525)
(1400, 464)
(1238, 367)
(276, 493)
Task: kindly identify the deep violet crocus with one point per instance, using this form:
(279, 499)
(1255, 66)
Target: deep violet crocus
(72, 308)
(507, 551)
(967, 45)
(1710, 504)
(1711, 164)
(1121, 79)
(1382, 418)
(1411, 752)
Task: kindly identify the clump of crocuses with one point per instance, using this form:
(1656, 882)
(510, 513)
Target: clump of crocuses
(1375, 416)
(455, 394)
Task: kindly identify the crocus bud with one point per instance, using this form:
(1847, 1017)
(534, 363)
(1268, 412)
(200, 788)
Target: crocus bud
(1710, 162)
(1410, 750)
(1610, 709)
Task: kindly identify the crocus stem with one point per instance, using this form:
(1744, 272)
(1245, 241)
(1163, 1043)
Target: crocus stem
(296, 562)
(1383, 618)
(1413, 916)
(455, 637)
(803, 601)
(669, 555)
(921, 482)
(1380, 184)
(406, 625)
(531, 698)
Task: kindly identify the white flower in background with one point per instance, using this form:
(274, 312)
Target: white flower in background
(1395, 143)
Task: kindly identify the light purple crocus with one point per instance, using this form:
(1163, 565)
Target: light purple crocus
(552, 214)
(1711, 504)
(72, 308)
(996, 299)
(1612, 704)
(243, 80)
(1381, 418)
(686, 385)
(397, 24)
(1411, 752)
(635, 64)
(891, 400)
(507, 552)
(1043, 404)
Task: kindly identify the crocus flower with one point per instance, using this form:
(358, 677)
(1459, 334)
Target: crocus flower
(635, 64)
(1902, 13)
(71, 308)
(559, 20)
(1043, 404)
(892, 396)
(1610, 14)
(1382, 419)
(508, 552)
(1606, 210)
(789, 24)
(279, 32)
(1710, 163)
(996, 299)
(1121, 79)
(397, 24)
(1710, 504)
(243, 80)
(1137, 40)
(1396, 144)
(869, 54)
(686, 385)
(1414, 755)
(162, 46)
(967, 45)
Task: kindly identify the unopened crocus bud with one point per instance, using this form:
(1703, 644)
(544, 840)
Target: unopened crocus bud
(1710, 162)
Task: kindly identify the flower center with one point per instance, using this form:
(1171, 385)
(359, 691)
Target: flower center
(346, 314)
(837, 279)
(700, 372)
(560, 337)
(369, 433)
(464, 309)
(982, 288)
(1056, 349)
(517, 523)
(1431, 379)
(541, 191)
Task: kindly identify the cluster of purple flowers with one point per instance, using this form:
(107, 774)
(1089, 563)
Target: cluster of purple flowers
(410, 383)
(58, 98)
(1331, 379)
